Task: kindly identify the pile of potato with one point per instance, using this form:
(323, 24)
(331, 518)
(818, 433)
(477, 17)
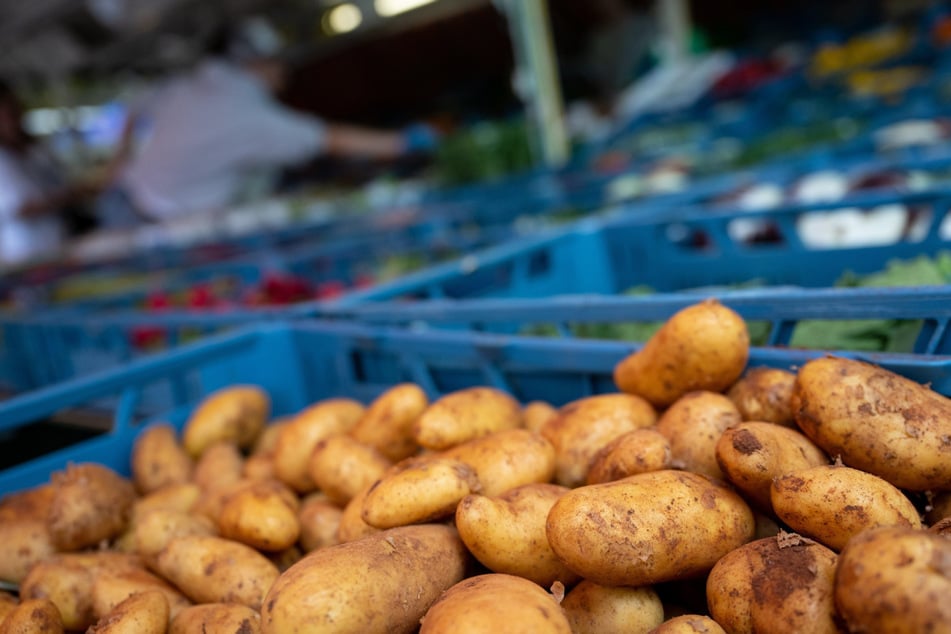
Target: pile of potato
(697, 499)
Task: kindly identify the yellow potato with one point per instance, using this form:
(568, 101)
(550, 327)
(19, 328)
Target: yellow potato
(765, 395)
(507, 459)
(833, 503)
(319, 521)
(895, 579)
(637, 451)
(465, 415)
(217, 618)
(234, 414)
(91, 503)
(648, 528)
(217, 570)
(594, 609)
(24, 536)
(777, 584)
(387, 424)
(752, 454)
(158, 459)
(262, 515)
(7, 603)
(286, 558)
(507, 533)
(582, 428)
(141, 613)
(157, 528)
(536, 414)
(267, 441)
(418, 490)
(297, 439)
(495, 603)
(176, 497)
(352, 526)
(221, 464)
(941, 527)
(693, 425)
(112, 587)
(33, 616)
(876, 421)
(702, 347)
(383, 583)
(259, 466)
(689, 624)
(341, 467)
(213, 500)
(939, 507)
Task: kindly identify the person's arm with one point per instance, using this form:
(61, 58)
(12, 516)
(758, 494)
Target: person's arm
(353, 141)
(54, 201)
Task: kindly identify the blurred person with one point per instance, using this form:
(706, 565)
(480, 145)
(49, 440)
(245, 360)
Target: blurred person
(37, 203)
(210, 130)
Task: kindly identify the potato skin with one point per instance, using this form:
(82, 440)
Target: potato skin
(465, 415)
(906, 587)
(90, 503)
(387, 424)
(637, 451)
(833, 503)
(234, 414)
(110, 588)
(495, 603)
(940, 507)
(220, 465)
(7, 603)
(217, 618)
(384, 583)
(141, 613)
(584, 427)
(752, 454)
(158, 527)
(507, 459)
(33, 616)
(594, 609)
(24, 536)
(352, 526)
(319, 523)
(506, 533)
(536, 414)
(158, 460)
(648, 528)
(876, 421)
(689, 624)
(217, 570)
(693, 425)
(702, 347)
(765, 395)
(341, 467)
(777, 584)
(262, 515)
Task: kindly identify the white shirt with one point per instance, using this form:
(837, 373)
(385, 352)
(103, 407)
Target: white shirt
(208, 131)
(22, 179)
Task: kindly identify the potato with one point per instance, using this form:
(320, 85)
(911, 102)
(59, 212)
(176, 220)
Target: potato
(536, 414)
(341, 467)
(234, 414)
(637, 451)
(693, 425)
(259, 466)
(267, 441)
(176, 497)
(833, 503)
(157, 528)
(765, 395)
(584, 427)
(939, 507)
(383, 583)
(33, 616)
(648, 528)
(213, 500)
(217, 618)
(7, 603)
(387, 424)
(24, 536)
(352, 526)
(297, 439)
(495, 603)
(506, 533)
(752, 454)
(941, 527)
(418, 490)
(594, 609)
(90, 503)
(141, 613)
(112, 587)
(158, 459)
(689, 624)
(221, 464)
(262, 515)
(217, 570)
(876, 421)
(507, 459)
(465, 415)
(777, 584)
(286, 558)
(702, 347)
(319, 521)
(895, 579)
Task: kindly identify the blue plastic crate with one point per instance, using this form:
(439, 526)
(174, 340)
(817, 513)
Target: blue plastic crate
(301, 363)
